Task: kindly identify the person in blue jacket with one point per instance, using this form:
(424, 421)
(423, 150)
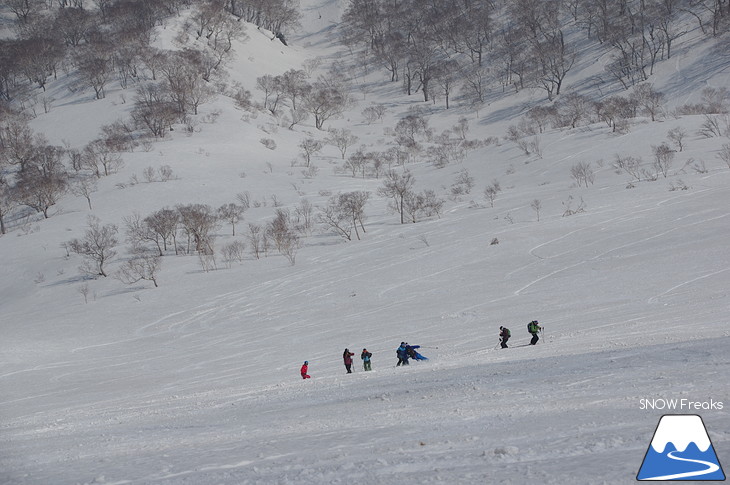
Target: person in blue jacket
(366, 359)
(402, 355)
(411, 351)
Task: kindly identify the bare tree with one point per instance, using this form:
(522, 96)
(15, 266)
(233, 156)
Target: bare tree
(198, 221)
(233, 252)
(463, 183)
(710, 127)
(282, 232)
(296, 116)
(257, 239)
(536, 205)
(96, 69)
(333, 217)
(677, 136)
(272, 91)
(310, 147)
(445, 76)
(724, 154)
(141, 266)
(582, 173)
(163, 224)
(716, 100)
(41, 186)
(424, 204)
(304, 216)
(357, 163)
(324, 101)
(281, 229)
(663, 158)
(84, 187)
(139, 232)
(616, 111)
(397, 187)
(184, 80)
(96, 247)
(98, 157)
(630, 165)
(7, 203)
(353, 203)
(21, 8)
(491, 191)
(374, 113)
(84, 290)
(411, 128)
(569, 210)
(474, 85)
(19, 143)
(573, 108)
(294, 85)
(649, 100)
(342, 139)
(231, 213)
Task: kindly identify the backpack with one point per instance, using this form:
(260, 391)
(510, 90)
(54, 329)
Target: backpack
(533, 327)
(509, 334)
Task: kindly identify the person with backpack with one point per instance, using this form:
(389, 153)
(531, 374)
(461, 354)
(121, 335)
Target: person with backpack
(402, 355)
(304, 370)
(365, 356)
(504, 335)
(411, 352)
(347, 357)
(534, 329)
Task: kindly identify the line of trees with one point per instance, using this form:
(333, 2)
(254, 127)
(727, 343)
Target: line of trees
(437, 47)
(111, 43)
(36, 174)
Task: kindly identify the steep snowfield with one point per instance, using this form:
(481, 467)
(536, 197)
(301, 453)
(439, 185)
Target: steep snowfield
(197, 381)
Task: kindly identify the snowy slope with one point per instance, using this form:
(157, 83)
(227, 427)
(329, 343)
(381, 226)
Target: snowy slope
(197, 381)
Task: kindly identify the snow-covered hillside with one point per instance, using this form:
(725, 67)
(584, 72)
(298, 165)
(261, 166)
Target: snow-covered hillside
(197, 381)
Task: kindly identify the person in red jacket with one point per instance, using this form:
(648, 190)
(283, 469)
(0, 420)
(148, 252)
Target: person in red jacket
(347, 357)
(305, 369)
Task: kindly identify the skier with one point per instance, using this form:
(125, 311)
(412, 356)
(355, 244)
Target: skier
(411, 351)
(347, 357)
(365, 356)
(534, 329)
(305, 369)
(504, 335)
(402, 354)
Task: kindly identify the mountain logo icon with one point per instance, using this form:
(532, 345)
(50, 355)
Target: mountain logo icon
(681, 450)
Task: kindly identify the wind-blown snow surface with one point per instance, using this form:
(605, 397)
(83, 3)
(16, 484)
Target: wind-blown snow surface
(197, 381)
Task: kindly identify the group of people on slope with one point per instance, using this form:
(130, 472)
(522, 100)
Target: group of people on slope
(404, 352)
(347, 358)
(533, 328)
(364, 355)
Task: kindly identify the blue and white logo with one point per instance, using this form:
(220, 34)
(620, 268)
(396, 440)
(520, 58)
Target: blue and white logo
(681, 450)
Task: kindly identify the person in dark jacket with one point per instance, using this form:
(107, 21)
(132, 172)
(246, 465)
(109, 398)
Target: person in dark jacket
(366, 356)
(347, 357)
(411, 352)
(402, 355)
(504, 335)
